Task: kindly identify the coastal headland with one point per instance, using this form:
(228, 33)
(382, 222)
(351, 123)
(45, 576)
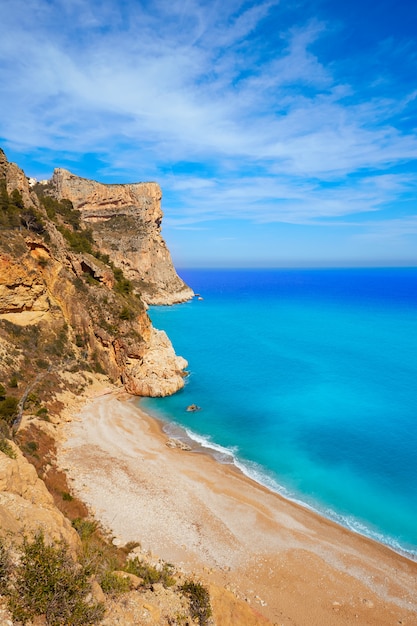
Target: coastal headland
(290, 565)
(79, 264)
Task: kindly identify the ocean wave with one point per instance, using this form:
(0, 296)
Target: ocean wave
(229, 456)
(257, 473)
(357, 526)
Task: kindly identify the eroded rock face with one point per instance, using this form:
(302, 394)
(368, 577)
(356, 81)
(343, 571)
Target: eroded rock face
(126, 221)
(26, 506)
(20, 290)
(15, 179)
(159, 373)
(130, 350)
(72, 295)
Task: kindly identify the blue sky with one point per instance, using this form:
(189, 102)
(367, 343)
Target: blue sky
(281, 133)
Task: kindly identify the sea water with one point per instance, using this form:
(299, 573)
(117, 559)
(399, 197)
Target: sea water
(307, 381)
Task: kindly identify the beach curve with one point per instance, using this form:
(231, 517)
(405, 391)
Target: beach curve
(292, 565)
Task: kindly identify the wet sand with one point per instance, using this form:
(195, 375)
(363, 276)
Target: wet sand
(291, 565)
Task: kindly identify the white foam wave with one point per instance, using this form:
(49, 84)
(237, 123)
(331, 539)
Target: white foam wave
(220, 453)
(229, 456)
(359, 527)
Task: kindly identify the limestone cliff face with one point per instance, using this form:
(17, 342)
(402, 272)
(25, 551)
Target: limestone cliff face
(15, 178)
(126, 221)
(74, 298)
(26, 506)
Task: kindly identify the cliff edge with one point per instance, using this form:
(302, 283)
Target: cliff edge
(75, 281)
(126, 224)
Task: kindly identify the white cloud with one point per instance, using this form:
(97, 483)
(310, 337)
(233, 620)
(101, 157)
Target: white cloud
(392, 230)
(181, 82)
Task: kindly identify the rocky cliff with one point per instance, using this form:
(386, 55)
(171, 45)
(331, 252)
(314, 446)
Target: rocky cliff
(68, 286)
(126, 223)
(26, 506)
(79, 262)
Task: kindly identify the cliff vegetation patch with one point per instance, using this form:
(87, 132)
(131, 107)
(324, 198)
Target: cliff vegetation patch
(47, 581)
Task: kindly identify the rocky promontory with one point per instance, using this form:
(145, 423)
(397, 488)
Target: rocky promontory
(80, 261)
(126, 222)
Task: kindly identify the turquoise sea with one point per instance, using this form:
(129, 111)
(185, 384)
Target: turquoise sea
(307, 381)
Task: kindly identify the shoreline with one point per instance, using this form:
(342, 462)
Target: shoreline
(287, 561)
(200, 445)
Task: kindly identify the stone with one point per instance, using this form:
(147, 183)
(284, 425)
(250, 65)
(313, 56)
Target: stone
(26, 506)
(126, 222)
(135, 581)
(176, 443)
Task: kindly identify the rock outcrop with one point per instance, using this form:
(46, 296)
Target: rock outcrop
(126, 222)
(15, 178)
(159, 368)
(26, 506)
(76, 296)
(20, 291)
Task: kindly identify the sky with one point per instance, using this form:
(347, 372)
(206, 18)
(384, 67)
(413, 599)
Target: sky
(283, 134)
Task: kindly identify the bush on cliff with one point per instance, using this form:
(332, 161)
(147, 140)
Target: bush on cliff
(48, 582)
(8, 408)
(6, 448)
(199, 598)
(151, 574)
(14, 214)
(5, 569)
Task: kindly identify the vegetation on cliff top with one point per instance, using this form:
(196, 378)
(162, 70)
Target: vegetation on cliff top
(47, 581)
(43, 579)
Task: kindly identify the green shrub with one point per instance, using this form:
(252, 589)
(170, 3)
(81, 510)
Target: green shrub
(85, 528)
(8, 409)
(122, 284)
(5, 569)
(30, 447)
(13, 383)
(114, 583)
(199, 599)
(126, 313)
(43, 261)
(150, 574)
(78, 240)
(2, 392)
(4, 429)
(10, 207)
(97, 367)
(79, 341)
(67, 496)
(48, 582)
(32, 220)
(6, 448)
(103, 257)
(16, 199)
(124, 287)
(63, 208)
(33, 398)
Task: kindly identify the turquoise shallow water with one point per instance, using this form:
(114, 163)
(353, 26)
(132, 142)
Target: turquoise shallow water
(307, 381)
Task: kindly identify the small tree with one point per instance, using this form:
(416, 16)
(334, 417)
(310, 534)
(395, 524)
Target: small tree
(9, 409)
(48, 582)
(199, 599)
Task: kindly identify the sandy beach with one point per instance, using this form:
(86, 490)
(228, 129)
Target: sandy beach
(290, 565)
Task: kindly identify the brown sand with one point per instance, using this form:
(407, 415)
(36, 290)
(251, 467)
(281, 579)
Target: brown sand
(293, 566)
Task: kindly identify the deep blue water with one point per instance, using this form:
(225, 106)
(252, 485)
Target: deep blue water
(307, 380)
